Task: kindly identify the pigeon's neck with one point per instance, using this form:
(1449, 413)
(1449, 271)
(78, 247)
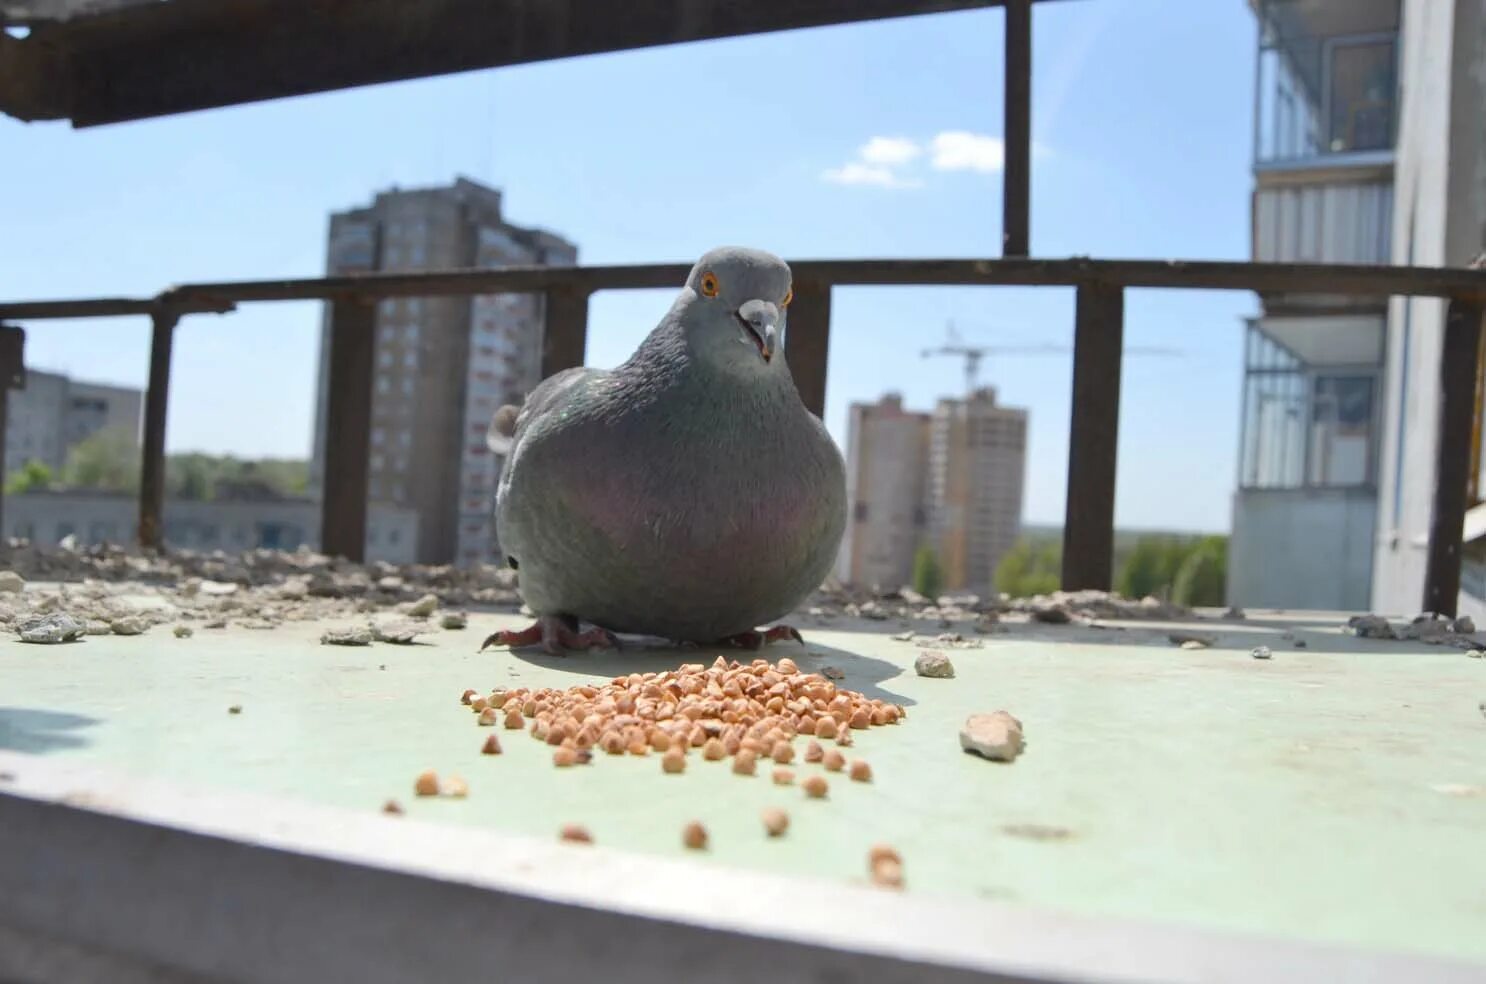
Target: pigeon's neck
(665, 362)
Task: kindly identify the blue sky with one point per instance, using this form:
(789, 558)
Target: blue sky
(1142, 115)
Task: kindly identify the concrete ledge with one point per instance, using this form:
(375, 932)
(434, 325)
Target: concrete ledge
(160, 885)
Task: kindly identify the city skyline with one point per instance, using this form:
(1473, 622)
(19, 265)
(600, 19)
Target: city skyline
(215, 196)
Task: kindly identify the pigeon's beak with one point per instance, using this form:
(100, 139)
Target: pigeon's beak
(761, 320)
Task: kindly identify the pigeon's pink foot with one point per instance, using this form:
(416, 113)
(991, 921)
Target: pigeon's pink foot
(755, 639)
(556, 633)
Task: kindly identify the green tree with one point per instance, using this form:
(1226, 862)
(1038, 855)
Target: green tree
(107, 460)
(1202, 580)
(33, 476)
(928, 579)
(1030, 569)
(1151, 567)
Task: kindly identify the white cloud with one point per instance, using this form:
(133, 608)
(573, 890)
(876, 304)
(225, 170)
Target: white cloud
(961, 150)
(889, 151)
(857, 173)
(887, 162)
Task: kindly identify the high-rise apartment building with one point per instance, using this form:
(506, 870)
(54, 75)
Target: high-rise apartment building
(977, 464)
(952, 480)
(887, 461)
(443, 365)
(54, 413)
(1369, 149)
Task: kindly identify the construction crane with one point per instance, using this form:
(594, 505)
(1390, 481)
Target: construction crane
(973, 354)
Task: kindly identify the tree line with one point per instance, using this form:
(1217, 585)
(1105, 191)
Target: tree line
(109, 461)
(1189, 570)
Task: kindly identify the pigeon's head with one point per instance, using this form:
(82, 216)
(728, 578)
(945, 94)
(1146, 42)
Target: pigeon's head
(732, 309)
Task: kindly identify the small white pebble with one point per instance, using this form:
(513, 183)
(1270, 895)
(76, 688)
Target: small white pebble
(1261, 652)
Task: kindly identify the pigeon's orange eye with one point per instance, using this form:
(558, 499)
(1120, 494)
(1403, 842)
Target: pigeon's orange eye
(789, 295)
(709, 284)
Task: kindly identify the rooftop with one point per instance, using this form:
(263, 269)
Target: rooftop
(1164, 790)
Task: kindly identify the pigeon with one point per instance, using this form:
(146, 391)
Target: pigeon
(687, 494)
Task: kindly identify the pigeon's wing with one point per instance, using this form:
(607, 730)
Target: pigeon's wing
(510, 419)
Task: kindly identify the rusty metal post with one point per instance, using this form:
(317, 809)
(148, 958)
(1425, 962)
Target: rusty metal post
(12, 376)
(1452, 455)
(156, 399)
(1088, 529)
(348, 414)
(565, 335)
(807, 341)
(1016, 174)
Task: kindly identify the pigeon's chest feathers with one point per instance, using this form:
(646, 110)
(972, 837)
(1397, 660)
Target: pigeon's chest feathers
(740, 477)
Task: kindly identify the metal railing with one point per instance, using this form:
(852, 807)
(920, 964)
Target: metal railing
(1097, 358)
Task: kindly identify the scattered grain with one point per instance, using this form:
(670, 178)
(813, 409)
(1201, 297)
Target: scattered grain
(784, 777)
(816, 787)
(776, 821)
(564, 756)
(694, 836)
(576, 834)
(860, 771)
(491, 746)
(673, 761)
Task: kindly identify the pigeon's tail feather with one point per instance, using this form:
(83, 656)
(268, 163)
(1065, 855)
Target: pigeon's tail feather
(502, 429)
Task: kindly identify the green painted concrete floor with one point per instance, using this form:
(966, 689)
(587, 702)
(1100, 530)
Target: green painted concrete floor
(1334, 793)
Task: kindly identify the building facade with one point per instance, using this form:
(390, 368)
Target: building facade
(55, 413)
(93, 517)
(1325, 146)
(1369, 149)
(443, 365)
(952, 480)
(977, 464)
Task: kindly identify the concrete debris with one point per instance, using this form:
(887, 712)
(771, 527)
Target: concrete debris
(99, 627)
(1370, 627)
(949, 640)
(1192, 640)
(1261, 652)
(1193, 644)
(50, 629)
(832, 673)
(934, 664)
(424, 607)
(11, 583)
(1464, 625)
(903, 636)
(1052, 614)
(454, 620)
(1476, 653)
(347, 637)
(996, 736)
(1428, 627)
(399, 633)
(129, 625)
(1235, 614)
(912, 597)
(184, 631)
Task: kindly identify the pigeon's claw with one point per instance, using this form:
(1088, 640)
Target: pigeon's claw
(755, 639)
(555, 634)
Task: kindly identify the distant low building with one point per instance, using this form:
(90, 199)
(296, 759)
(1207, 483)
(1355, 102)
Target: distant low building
(281, 523)
(55, 413)
(952, 479)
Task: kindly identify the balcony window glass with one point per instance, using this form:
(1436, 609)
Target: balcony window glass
(1305, 425)
(1327, 84)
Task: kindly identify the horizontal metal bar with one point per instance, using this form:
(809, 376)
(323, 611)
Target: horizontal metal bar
(104, 307)
(1321, 278)
(157, 59)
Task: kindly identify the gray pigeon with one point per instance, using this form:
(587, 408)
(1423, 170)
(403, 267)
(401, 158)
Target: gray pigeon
(687, 494)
